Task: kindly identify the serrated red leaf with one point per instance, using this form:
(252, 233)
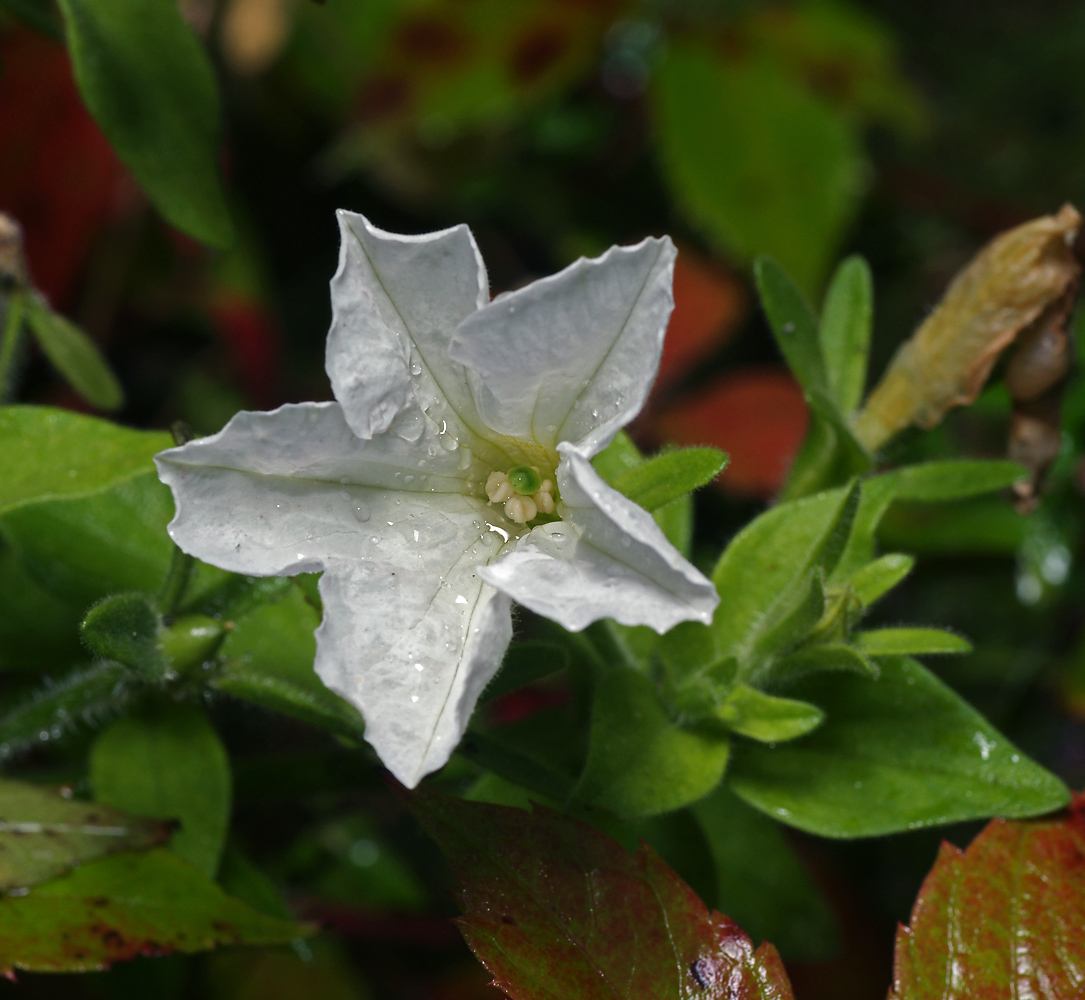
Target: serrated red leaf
(1004, 918)
(556, 909)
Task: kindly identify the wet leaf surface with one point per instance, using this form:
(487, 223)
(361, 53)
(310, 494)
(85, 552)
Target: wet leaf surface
(554, 908)
(1003, 918)
(43, 834)
(124, 906)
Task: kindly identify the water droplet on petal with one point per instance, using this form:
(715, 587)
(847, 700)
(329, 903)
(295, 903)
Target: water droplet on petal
(361, 512)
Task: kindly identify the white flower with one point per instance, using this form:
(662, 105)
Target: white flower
(445, 399)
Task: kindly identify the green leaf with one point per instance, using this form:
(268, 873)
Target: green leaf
(51, 453)
(791, 623)
(755, 157)
(620, 456)
(927, 482)
(668, 476)
(768, 565)
(877, 578)
(792, 323)
(760, 883)
(639, 762)
(846, 322)
(118, 908)
(675, 520)
(1001, 919)
(43, 833)
(819, 657)
(268, 659)
(830, 455)
(191, 641)
(125, 628)
(524, 663)
(81, 698)
(168, 763)
(548, 898)
(149, 84)
(909, 642)
(696, 694)
(765, 717)
(86, 548)
(897, 753)
(74, 355)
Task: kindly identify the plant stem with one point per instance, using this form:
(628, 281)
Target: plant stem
(173, 590)
(10, 341)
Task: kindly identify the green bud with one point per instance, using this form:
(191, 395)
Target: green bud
(191, 640)
(524, 479)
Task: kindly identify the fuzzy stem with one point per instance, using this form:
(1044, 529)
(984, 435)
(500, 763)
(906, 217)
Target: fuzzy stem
(10, 341)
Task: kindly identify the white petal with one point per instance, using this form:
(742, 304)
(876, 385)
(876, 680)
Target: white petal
(396, 301)
(412, 651)
(606, 559)
(283, 492)
(572, 357)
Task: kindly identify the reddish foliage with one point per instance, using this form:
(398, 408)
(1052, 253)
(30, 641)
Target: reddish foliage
(709, 304)
(758, 416)
(553, 907)
(58, 176)
(252, 342)
(1004, 918)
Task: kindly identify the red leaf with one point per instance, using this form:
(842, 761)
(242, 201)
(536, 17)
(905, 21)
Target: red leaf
(1005, 918)
(757, 416)
(709, 304)
(554, 908)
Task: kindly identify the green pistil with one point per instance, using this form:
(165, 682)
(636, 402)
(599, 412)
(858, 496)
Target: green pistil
(525, 480)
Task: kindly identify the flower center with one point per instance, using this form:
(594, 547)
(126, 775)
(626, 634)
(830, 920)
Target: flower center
(523, 492)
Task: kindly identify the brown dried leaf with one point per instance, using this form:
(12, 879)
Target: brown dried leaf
(1022, 277)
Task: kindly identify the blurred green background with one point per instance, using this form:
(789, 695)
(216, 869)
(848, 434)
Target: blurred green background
(910, 132)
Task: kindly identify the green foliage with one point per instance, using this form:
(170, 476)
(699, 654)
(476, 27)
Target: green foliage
(44, 833)
(168, 763)
(759, 882)
(131, 904)
(767, 718)
(147, 80)
(910, 642)
(792, 323)
(896, 753)
(776, 172)
(74, 355)
(847, 318)
(51, 453)
(531, 923)
(267, 658)
(125, 628)
(524, 663)
(668, 477)
(639, 762)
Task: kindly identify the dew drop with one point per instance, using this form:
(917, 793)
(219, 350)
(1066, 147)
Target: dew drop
(416, 368)
(414, 697)
(361, 512)
(460, 599)
(408, 479)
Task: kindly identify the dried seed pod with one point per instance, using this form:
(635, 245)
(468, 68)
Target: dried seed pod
(1020, 276)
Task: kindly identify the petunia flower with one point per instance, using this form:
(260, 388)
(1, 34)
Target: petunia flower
(451, 477)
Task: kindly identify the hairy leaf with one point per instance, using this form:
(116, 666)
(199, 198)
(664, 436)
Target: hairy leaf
(896, 753)
(910, 642)
(639, 762)
(792, 322)
(74, 355)
(767, 718)
(1003, 918)
(168, 763)
(552, 907)
(118, 908)
(124, 628)
(668, 476)
(846, 321)
(43, 833)
(877, 578)
(50, 453)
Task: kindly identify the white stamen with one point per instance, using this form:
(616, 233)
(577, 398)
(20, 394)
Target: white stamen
(544, 501)
(520, 509)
